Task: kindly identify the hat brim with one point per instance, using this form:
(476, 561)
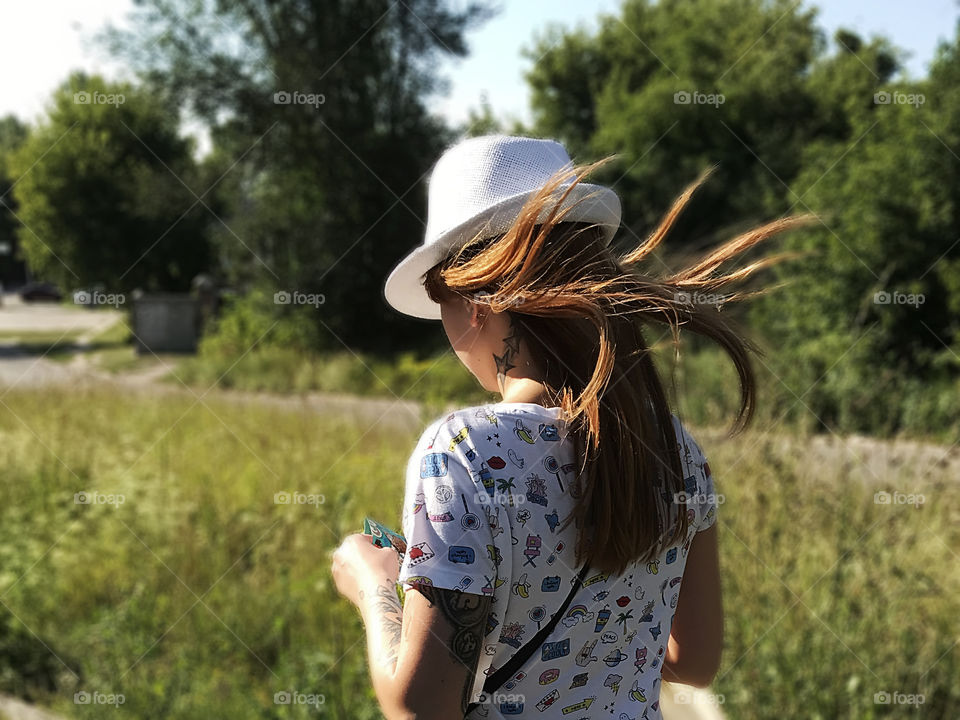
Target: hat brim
(403, 289)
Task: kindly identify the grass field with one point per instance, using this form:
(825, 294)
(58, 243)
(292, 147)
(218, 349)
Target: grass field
(198, 595)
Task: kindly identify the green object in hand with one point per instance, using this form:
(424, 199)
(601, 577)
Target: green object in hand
(382, 536)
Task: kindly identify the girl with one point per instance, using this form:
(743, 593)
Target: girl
(548, 535)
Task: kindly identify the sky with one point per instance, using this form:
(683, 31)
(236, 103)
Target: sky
(42, 40)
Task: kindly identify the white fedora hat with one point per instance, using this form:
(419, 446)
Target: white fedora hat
(477, 189)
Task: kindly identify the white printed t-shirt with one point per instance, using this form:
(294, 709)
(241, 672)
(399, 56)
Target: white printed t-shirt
(487, 489)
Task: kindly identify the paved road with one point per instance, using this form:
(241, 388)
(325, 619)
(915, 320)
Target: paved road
(17, 316)
(12, 708)
(21, 368)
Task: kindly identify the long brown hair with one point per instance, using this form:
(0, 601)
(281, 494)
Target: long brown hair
(581, 309)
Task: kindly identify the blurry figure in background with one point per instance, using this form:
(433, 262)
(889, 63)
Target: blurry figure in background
(204, 288)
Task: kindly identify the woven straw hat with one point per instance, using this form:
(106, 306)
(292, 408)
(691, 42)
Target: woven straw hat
(477, 189)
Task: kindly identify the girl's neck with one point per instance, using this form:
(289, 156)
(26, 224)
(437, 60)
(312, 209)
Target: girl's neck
(524, 390)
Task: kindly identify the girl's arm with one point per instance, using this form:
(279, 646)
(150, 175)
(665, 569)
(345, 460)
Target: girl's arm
(423, 662)
(696, 635)
(423, 657)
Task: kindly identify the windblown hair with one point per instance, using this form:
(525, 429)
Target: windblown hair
(581, 310)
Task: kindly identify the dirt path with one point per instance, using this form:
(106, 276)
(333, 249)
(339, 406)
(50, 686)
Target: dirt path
(152, 380)
(22, 368)
(21, 371)
(876, 462)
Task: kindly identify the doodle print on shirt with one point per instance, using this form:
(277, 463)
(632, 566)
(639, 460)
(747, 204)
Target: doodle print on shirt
(488, 489)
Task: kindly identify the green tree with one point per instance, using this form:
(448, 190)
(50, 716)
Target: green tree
(796, 125)
(105, 191)
(12, 135)
(322, 133)
(678, 85)
(870, 311)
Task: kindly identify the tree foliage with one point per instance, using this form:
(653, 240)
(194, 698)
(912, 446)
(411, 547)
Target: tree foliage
(871, 308)
(321, 197)
(677, 85)
(796, 124)
(104, 191)
(13, 133)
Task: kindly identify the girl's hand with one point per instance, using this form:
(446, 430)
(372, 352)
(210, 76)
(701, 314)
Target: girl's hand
(359, 565)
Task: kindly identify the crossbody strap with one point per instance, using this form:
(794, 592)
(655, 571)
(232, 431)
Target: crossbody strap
(509, 669)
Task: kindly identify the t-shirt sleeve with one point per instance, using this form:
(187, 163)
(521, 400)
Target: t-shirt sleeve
(710, 499)
(699, 487)
(707, 500)
(449, 540)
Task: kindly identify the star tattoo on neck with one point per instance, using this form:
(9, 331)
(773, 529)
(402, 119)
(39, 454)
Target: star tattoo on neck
(510, 350)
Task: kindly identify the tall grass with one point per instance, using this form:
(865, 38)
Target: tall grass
(200, 596)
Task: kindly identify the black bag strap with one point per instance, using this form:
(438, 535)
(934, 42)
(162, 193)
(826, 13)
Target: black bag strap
(510, 668)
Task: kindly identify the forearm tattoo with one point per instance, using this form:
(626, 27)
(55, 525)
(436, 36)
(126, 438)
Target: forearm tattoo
(467, 615)
(389, 615)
